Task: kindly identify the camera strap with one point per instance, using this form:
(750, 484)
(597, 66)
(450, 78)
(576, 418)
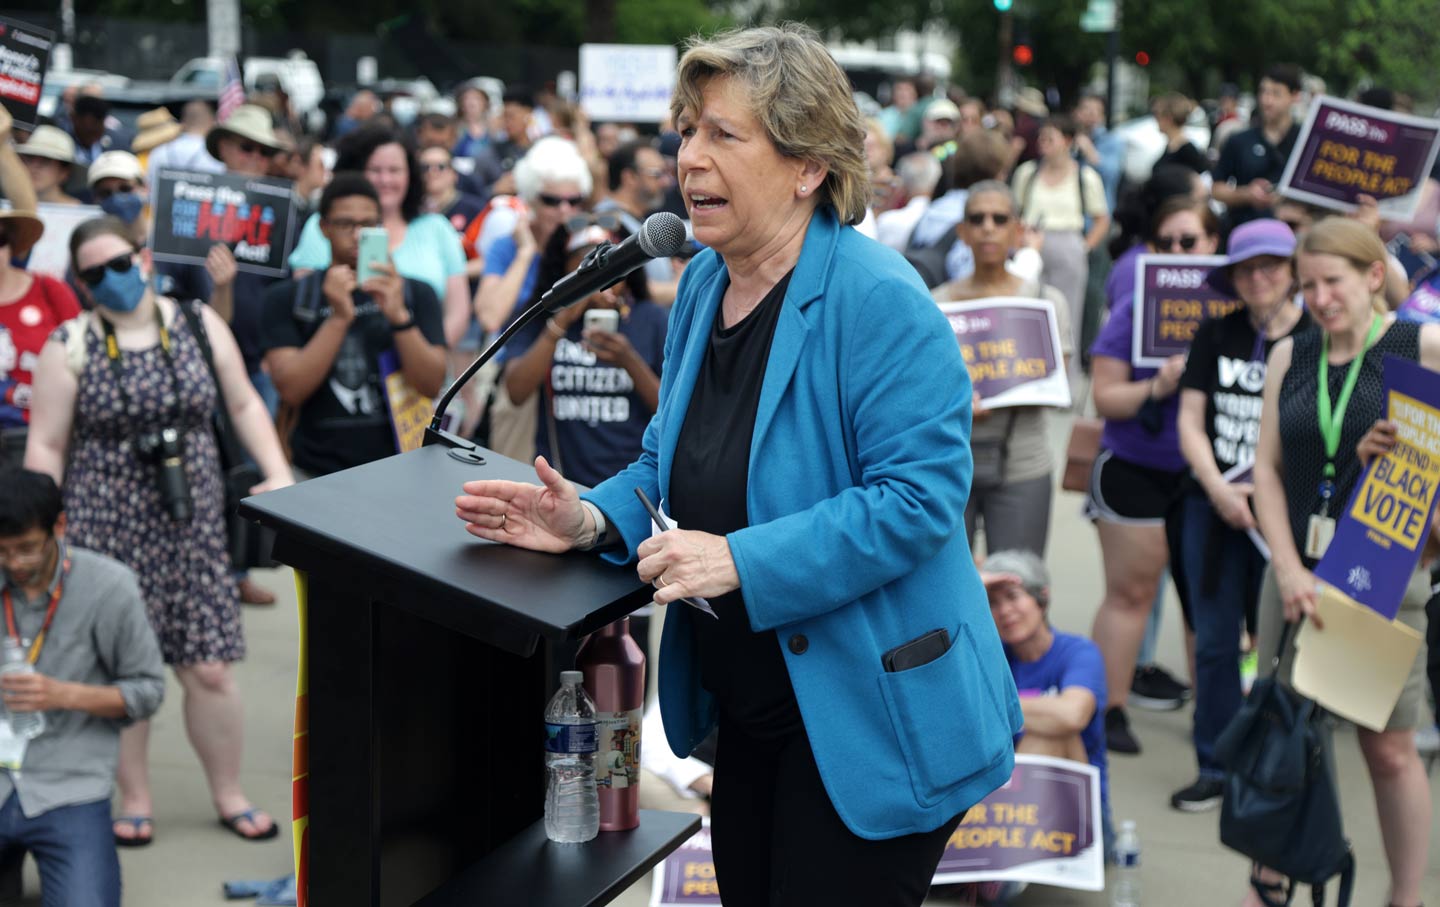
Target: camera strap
(112, 353)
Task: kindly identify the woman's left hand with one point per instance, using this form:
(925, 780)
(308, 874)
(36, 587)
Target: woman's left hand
(684, 563)
(273, 482)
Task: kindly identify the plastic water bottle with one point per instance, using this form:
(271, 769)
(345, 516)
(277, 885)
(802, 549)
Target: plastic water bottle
(26, 725)
(572, 807)
(1127, 867)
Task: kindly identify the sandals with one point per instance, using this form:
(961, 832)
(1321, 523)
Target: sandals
(232, 825)
(1271, 894)
(137, 823)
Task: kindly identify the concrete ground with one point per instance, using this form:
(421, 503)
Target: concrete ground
(1183, 862)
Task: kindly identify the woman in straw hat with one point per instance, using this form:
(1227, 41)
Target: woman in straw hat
(49, 157)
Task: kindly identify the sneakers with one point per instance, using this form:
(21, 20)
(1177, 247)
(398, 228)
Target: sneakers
(1156, 690)
(1205, 794)
(1118, 738)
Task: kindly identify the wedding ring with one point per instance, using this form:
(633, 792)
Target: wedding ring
(503, 518)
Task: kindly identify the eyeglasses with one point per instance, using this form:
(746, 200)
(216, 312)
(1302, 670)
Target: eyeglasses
(1264, 265)
(1186, 241)
(606, 221)
(119, 264)
(978, 219)
(653, 173)
(555, 201)
(103, 193)
(252, 148)
(27, 551)
(435, 167)
(345, 224)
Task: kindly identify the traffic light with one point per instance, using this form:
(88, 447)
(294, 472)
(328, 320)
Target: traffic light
(1023, 55)
(1003, 5)
(1142, 58)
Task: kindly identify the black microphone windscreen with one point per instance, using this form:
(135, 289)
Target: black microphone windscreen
(661, 235)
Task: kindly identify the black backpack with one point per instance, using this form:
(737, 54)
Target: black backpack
(1281, 806)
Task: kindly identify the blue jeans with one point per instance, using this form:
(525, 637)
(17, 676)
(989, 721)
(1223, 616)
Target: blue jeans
(74, 849)
(1224, 571)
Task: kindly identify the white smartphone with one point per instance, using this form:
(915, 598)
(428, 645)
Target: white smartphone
(374, 249)
(602, 320)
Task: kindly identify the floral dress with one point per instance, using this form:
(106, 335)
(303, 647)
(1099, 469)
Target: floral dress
(113, 503)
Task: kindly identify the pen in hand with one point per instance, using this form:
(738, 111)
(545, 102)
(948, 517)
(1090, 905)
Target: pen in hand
(660, 524)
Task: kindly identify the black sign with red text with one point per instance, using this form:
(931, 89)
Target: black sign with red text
(192, 212)
(24, 57)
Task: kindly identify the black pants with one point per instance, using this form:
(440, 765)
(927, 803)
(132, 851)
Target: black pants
(778, 841)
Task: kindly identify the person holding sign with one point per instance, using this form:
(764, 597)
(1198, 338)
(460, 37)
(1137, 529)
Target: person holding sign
(1323, 392)
(1219, 425)
(1140, 469)
(1013, 482)
(812, 443)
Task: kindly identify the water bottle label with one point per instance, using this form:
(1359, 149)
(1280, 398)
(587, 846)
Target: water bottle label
(1127, 859)
(569, 738)
(12, 747)
(618, 744)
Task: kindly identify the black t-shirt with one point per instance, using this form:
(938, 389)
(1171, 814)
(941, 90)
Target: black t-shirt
(709, 480)
(1187, 155)
(346, 421)
(1248, 156)
(1224, 366)
(463, 209)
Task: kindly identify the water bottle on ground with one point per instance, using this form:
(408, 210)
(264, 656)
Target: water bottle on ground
(26, 725)
(1127, 867)
(572, 807)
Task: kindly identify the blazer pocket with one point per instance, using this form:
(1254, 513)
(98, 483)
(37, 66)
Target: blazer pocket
(948, 719)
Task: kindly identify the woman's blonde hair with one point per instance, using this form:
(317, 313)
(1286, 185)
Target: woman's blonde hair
(1174, 106)
(798, 93)
(1351, 240)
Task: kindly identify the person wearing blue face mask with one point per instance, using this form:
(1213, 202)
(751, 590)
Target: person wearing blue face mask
(122, 391)
(116, 182)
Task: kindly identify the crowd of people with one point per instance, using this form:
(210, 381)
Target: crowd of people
(113, 369)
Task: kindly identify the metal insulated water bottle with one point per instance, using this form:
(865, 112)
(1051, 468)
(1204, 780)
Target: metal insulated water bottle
(614, 668)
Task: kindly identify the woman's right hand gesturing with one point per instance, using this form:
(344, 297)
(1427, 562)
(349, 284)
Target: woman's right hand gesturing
(546, 517)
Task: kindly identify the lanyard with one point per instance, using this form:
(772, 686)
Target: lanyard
(1332, 421)
(112, 352)
(39, 642)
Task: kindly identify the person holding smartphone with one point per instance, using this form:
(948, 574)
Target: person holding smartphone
(597, 364)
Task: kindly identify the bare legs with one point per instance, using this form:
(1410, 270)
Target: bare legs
(1135, 557)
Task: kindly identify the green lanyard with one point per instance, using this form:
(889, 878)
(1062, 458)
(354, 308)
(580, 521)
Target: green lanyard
(1331, 424)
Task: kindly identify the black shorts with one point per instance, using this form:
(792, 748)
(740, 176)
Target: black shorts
(1125, 492)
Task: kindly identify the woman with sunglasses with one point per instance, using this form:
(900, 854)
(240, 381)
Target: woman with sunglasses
(599, 387)
(1219, 425)
(442, 189)
(423, 246)
(1012, 485)
(1138, 471)
(110, 384)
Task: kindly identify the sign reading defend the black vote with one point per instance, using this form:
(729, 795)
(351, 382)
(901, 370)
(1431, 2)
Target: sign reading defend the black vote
(24, 57)
(191, 212)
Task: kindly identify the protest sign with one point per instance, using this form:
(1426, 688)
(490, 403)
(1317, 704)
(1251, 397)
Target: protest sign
(1379, 535)
(1346, 150)
(24, 57)
(410, 411)
(191, 212)
(631, 83)
(1423, 303)
(1042, 826)
(1012, 347)
(1171, 299)
(51, 253)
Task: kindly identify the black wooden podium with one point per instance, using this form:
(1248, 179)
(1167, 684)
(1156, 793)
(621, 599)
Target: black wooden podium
(430, 655)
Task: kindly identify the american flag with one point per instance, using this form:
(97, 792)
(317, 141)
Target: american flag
(232, 93)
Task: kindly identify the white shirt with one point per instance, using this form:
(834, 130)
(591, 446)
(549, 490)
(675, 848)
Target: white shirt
(185, 152)
(893, 228)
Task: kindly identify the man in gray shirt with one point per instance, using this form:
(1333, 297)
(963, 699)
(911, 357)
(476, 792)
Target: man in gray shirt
(82, 622)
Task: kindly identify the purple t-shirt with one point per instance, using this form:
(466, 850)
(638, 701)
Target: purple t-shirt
(1072, 661)
(1128, 439)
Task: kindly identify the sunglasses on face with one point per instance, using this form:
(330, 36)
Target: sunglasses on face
(606, 221)
(435, 167)
(252, 148)
(119, 264)
(978, 220)
(1186, 241)
(102, 193)
(555, 201)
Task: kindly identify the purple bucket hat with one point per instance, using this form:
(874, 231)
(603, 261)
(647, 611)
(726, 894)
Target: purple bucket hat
(1266, 236)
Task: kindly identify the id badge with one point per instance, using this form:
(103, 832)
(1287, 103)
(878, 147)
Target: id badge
(1318, 536)
(12, 748)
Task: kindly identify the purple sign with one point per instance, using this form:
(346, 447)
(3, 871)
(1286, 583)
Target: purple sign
(1171, 299)
(1042, 826)
(1379, 536)
(688, 874)
(1423, 304)
(1346, 150)
(1012, 347)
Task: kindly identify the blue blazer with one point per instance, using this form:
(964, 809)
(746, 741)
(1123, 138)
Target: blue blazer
(859, 474)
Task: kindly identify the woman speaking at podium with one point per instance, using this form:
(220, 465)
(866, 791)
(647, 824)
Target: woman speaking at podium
(812, 443)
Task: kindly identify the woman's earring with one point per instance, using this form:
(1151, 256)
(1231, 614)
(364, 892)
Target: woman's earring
(804, 189)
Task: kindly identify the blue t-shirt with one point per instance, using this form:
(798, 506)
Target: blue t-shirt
(1073, 661)
(599, 419)
(430, 252)
(497, 262)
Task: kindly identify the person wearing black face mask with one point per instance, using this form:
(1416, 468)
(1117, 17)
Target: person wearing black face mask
(130, 369)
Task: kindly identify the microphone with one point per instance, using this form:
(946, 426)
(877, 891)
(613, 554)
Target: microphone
(660, 236)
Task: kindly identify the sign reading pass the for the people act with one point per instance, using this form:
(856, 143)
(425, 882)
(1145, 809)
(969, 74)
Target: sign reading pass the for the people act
(1011, 347)
(1171, 299)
